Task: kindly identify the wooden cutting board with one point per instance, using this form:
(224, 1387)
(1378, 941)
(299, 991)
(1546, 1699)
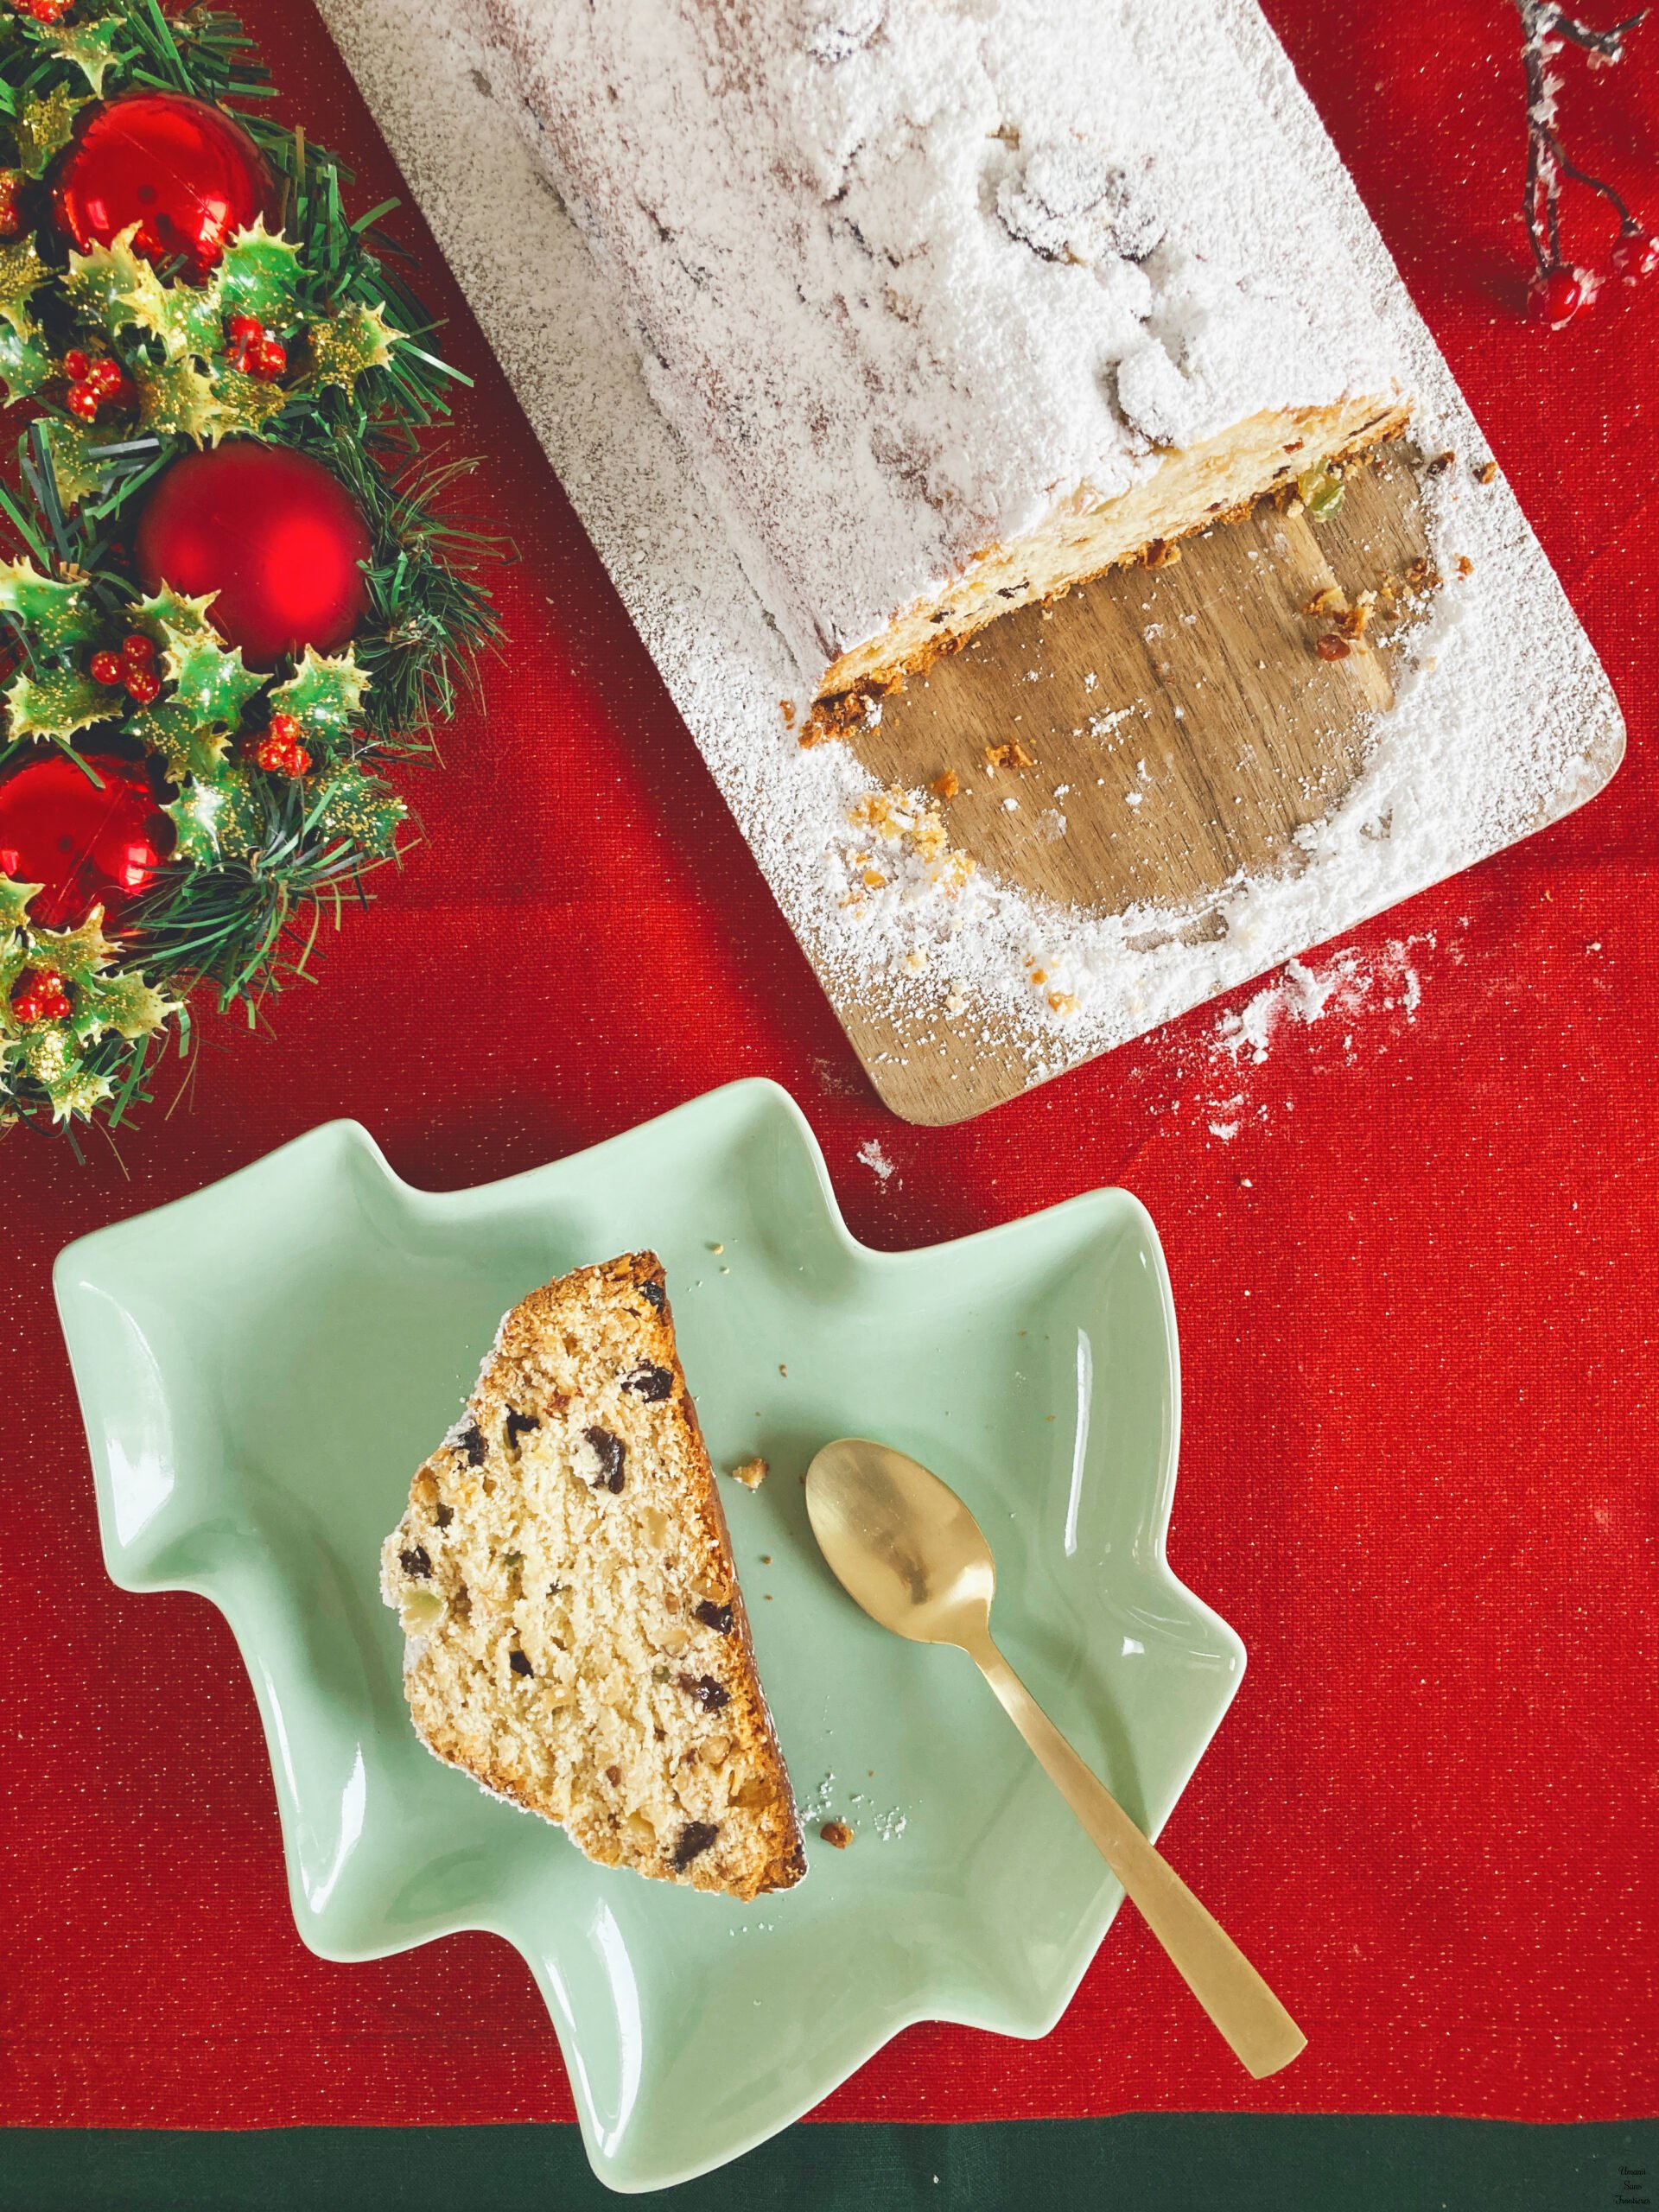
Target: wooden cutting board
(1212, 730)
(1239, 733)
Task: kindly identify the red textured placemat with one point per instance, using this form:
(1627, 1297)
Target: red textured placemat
(1416, 1294)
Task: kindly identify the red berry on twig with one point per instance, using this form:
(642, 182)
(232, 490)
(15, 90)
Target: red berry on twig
(1635, 254)
(84, 402)
(107, 377)
(1559, 294)
(143, 685)
(107, 669)
(77, 365)
(138, 648)
(268, 359)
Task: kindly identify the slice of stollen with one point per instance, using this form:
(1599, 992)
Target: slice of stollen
(577, 1638)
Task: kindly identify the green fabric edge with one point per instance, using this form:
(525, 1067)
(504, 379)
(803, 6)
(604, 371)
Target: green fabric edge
(1138, 2162)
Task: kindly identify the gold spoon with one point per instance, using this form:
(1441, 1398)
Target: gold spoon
(905, 1547)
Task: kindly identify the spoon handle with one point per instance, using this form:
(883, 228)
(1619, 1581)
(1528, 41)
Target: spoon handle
(1261, 2033)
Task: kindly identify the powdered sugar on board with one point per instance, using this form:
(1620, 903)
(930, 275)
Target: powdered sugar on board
(1502, 721)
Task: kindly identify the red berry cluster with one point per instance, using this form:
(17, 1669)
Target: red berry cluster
(93, 383)
(133, 668)
(1558, 292)
(42, 11)
(254, 351)
(1560, 289)
(11, 215)
(280, 750)
(41, 996)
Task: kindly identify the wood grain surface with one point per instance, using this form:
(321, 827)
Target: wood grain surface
(1180, 724)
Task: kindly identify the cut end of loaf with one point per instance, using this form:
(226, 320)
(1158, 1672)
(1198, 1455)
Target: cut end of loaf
(1192, 489)
(577, 1638)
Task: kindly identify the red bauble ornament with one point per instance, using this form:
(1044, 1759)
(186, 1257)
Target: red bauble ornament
(84, 846)
(277, 538)
(186, 172)
(1559, 294)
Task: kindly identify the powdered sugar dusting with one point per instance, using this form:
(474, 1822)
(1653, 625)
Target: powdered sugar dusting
(1502, 719)
(1362, 998)
(910, 280)
(1350, 983)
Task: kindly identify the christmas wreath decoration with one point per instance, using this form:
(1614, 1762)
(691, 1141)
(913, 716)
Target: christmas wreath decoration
(230, 602)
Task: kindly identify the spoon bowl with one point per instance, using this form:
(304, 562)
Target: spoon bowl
(903, 1545)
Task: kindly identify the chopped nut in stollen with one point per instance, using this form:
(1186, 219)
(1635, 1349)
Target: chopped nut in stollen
(752, 1474)
(1332, 601)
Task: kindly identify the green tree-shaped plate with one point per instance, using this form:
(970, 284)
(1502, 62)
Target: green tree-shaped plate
(263, 1365)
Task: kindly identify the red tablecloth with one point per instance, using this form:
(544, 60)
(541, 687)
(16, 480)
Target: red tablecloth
(1417, 1304)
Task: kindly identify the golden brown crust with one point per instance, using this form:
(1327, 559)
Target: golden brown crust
(570, 1355)
(836, 713)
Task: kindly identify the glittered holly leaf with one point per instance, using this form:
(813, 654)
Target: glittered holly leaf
(120, 287)
(259, 276)
(185, 318)
(239, 824)
(220, 819)
(52, 611)
(22, 273)
(350, 803)
(116, 285)
(184, 745)
(74, 952)
(52, 1058)
(245, 403)
(55, 704)
(75, 471)
(325, 695)
(170, 617)
(24, 365)
(346, 345)
(90, 47)
(177, 400)
(124, 1002)
(44, 128)
(14, 902)
(210, 681)
(198, 317)
(193, 814)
